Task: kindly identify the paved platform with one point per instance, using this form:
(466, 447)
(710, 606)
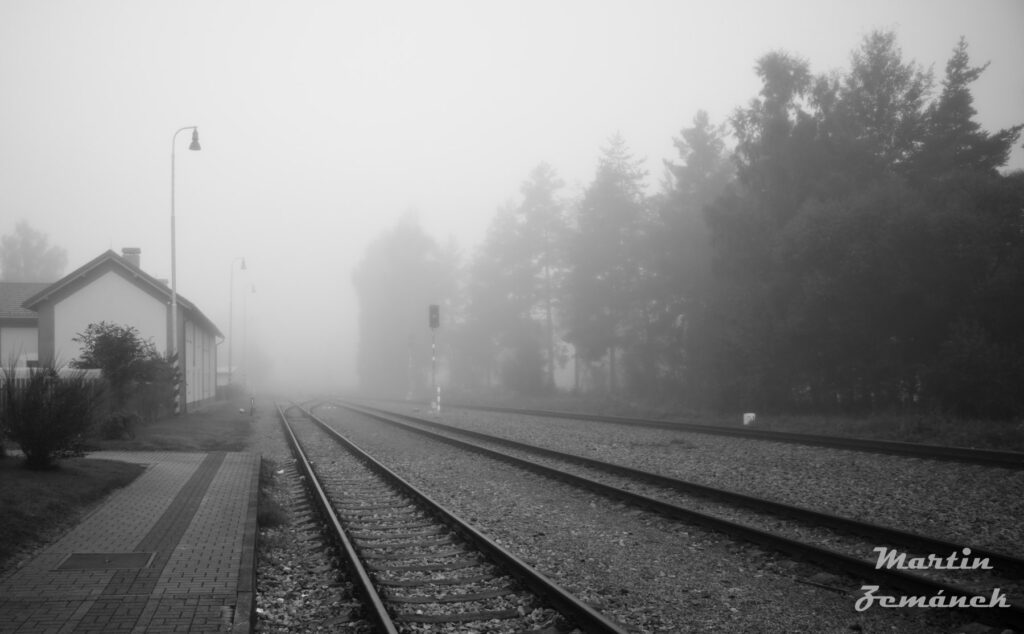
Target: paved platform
(172, 552)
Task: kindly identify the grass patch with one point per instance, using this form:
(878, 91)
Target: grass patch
(37, 506)
(270, 513)
(216, 427)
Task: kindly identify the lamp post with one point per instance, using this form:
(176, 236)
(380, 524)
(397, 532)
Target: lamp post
(174, 273)
(231, 320)
(245, 337)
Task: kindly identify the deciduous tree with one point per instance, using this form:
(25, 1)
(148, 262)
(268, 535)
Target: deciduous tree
(26, 256)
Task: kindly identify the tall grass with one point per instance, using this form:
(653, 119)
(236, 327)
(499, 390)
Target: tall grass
(46, 412)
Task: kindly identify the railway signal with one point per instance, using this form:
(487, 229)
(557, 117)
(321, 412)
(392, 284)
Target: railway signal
(435, 323)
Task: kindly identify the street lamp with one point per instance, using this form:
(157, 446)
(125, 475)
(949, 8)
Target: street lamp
(245, 337)
(174, 273)
(231, 320)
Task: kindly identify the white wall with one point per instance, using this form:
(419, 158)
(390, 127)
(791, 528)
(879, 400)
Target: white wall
(17, 344)
(113, 299)
(200, 363)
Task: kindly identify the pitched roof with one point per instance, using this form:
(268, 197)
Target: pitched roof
(14, 294)
(72, 281)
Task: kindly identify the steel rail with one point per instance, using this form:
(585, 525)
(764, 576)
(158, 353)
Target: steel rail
(987, 457)
(1012, 615)
(561, 599)
(378, 612)
(1002, 561)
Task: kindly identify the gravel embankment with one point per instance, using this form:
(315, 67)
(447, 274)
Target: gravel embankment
(650, 573)
(298, 587)
(982, 582)
(981, 506)
(351, 484)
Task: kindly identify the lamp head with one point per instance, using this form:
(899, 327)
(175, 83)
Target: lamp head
(243, 264)
(195, 140)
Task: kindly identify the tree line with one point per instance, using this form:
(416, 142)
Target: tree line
(845, 242)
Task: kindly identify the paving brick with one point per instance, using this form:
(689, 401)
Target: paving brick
(195, 511)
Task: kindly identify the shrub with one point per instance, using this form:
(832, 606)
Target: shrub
(46, 414)
(151, 394)
(270, 513)
(118, 425)
(140, 379)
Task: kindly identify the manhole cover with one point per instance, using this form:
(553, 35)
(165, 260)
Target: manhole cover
(106, 561)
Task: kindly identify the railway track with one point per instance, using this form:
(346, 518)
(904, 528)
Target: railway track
(986, 457)
(418, 567)
(849, 551)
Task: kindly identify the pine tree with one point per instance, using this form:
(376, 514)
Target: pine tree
(953, 139)
(605, 253)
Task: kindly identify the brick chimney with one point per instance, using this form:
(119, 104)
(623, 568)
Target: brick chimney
(133, 255)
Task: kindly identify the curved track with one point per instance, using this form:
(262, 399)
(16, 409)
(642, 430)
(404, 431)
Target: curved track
(991, 458)
(855, 564)
(419, 567)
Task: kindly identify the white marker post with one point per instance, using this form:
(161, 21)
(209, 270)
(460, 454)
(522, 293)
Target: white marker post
(435, 323)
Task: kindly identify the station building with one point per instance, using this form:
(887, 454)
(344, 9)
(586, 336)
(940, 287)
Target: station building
(39, 321)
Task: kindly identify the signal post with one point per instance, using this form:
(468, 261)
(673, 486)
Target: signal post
(435, 323)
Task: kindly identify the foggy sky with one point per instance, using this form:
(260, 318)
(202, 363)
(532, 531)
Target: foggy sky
(324, 122)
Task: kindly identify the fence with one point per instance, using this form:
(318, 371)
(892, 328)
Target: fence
(21, 376)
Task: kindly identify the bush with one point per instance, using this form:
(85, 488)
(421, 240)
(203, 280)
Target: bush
(270, 513)
(140, 379)
(151, 392)
(118, 426)
(46, 414)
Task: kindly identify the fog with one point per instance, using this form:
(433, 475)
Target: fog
(323, 123)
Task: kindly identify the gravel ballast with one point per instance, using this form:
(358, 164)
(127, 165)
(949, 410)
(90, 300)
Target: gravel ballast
(300, 587)
(970, 504)
(650, 573)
